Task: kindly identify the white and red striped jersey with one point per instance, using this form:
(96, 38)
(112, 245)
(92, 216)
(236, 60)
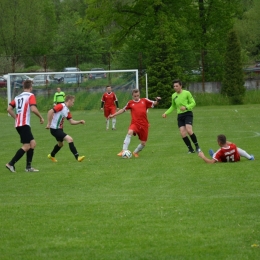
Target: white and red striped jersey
(60, 112)
(22, 104)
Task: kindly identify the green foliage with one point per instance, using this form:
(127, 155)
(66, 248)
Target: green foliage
(165, 204)
(233, 82)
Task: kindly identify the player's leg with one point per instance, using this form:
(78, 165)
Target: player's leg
(20, 152)
(143, 136)
(73, 149)
(243, 153)
(127, 139)
(59, 135)
(188, 126)
(113, 111)
(106, 114)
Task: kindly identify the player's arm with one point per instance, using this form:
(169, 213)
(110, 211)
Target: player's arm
(102, 105)
(120, 111)
(76, 122)
(171, 108)
(35, 110)
(49, 118)
(191, 102)
(207, 160)
(157, 100)
(11, 112)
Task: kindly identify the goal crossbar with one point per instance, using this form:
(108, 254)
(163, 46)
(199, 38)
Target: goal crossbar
(62, 73)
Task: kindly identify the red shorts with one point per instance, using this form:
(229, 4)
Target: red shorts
(109, 111)
(141, 131)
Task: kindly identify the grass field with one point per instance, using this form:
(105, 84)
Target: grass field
(166, 204)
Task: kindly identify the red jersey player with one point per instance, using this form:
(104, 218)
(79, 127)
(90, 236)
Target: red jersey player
(139, 123)
(228, 152)
(24, 104)
(109, 103)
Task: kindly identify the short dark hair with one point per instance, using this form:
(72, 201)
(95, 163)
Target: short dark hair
(222, 139)
(177, 81)
(27, 84)
(135, 91)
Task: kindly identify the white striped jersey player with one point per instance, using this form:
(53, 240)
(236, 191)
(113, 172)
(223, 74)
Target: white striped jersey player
(60, 112)
(22, 105)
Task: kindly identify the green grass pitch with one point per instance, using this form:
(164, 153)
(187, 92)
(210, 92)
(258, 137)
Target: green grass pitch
(166, 204)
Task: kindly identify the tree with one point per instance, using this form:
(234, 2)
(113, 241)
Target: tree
(233, 82)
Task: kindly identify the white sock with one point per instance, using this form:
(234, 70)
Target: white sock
(244, 153)
(107, 123)
(139, 148)
(113, 122)
(127, 142)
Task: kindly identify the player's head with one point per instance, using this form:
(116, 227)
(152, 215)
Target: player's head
(177, 85)
(109, 89)
(27, 84)
(69, 100)
(136, 94)
(221, 139)
(58, 90)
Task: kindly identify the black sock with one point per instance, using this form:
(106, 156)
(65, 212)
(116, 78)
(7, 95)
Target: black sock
(19, 154)
(73, 150)
(29, 157)
(187, 142)
(55, 150)
(194, 139)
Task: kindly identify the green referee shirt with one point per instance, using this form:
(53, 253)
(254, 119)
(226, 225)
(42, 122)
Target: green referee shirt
(59, 97)
(182, 99)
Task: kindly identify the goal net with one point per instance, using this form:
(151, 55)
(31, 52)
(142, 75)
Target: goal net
(87, 86)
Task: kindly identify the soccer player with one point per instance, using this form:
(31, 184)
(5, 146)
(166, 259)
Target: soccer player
(56, 117)
(139, 123)
(109, 104)
(228, 152)
(24, 104)
(183, 101)
(59, 97)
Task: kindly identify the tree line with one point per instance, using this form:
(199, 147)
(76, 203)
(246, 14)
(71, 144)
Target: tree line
(168, 39)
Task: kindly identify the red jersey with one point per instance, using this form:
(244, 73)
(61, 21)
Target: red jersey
(139, 111)
(109, 99)
(22, 105)
(227, 154)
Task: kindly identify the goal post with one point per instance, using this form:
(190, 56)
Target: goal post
(122, 82)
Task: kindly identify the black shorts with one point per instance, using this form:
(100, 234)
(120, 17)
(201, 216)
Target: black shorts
(25, 134)
(185, 119)
(58, 134)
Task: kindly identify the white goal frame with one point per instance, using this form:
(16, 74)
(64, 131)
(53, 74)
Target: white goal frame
(63, 72)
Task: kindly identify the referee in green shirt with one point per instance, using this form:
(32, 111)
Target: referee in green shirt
(183, 102)
(59, 97)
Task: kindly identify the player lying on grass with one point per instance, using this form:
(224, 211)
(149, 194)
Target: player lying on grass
(56, 117)
(139, 123)
(228, 152)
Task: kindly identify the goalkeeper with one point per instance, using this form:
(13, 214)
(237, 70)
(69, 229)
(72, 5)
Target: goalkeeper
(59, 97)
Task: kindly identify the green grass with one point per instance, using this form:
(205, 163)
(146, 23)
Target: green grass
(165, 204)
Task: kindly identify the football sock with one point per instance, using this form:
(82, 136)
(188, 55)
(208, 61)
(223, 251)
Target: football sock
(107, 123)
(243, 153)
(113, 122)
(127, 142)
(55, 150)
(139, 148)
(73, 150)
(194, 139)
(29, 157)
(19, 154)
(187, 142)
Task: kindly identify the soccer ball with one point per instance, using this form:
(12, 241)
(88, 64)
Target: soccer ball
(126, 154)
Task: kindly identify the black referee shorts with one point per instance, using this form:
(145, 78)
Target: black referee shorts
(185, 119)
